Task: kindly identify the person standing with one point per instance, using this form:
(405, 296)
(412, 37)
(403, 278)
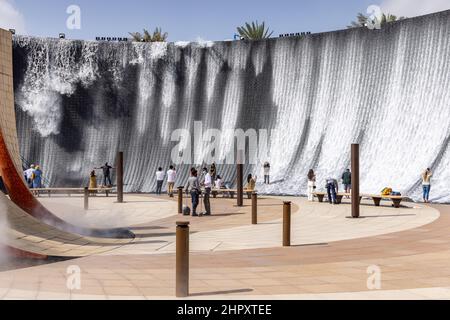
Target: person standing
(28, 174)
(193, 186)
(332, 190)
(213, 171)
(106, 174)
(266, 172)
(37, 178)
(171, 177)
(93, 182)
(207, 183)
(426, 184)
(203, 175)
(251, 183)
(311, 184)
(347, 181)
(159, 180)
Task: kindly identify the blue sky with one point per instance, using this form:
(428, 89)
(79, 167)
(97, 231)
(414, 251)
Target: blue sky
(192, 19)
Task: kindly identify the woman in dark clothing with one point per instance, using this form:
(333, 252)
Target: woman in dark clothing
(193, 185)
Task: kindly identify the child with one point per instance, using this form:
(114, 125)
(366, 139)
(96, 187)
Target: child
(219, 183)
(93, 182)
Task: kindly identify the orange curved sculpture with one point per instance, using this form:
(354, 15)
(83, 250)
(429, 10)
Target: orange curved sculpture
(10, 164)
(24, 199)
(18, 191)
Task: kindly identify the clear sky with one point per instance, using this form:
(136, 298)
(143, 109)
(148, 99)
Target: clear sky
(187, 20)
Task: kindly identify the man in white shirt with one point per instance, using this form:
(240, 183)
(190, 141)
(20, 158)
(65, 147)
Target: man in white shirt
(28, 174)
(159, 180)
(207, 182)
(171, 177)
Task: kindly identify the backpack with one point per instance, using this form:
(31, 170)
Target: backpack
(186, 211)
(386, 191)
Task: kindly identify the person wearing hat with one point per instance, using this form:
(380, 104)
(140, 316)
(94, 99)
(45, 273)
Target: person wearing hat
(37, 178)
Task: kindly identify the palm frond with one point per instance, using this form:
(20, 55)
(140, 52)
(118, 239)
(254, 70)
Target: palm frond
(146, 36)
(254, 31)
(362, 20)
(136, 36)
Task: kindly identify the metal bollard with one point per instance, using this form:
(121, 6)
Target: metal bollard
(120, 177)
(356, 199)
(254, 208)
(180, 200)
(286, 223)
(182, 259)
(240, 186)
(86, 198)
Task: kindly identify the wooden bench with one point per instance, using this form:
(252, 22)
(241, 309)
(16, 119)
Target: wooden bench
(339, 196)
(396, 200)
(230, 192)
(68, 191)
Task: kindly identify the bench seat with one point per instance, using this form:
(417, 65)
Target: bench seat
(228, 192)
(68, 191)
(396, 200)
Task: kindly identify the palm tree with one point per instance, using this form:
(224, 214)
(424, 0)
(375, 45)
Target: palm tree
(254, 31)
(157, 36)
(136, 36)
(362, 20)
(385, 18)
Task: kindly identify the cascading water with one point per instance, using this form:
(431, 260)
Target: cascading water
(79, 102)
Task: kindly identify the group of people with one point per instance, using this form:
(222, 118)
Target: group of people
(208, 179)
(171, 178)
(331, 185)
(194, 185)
(171, 174)
(33, 177)
(106, 168)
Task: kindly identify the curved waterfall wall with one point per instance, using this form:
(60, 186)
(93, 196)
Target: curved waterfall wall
(79, 102)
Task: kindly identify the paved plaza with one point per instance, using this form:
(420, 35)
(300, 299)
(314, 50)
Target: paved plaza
(232, 259)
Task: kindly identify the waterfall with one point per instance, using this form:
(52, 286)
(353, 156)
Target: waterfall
(79, 102)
